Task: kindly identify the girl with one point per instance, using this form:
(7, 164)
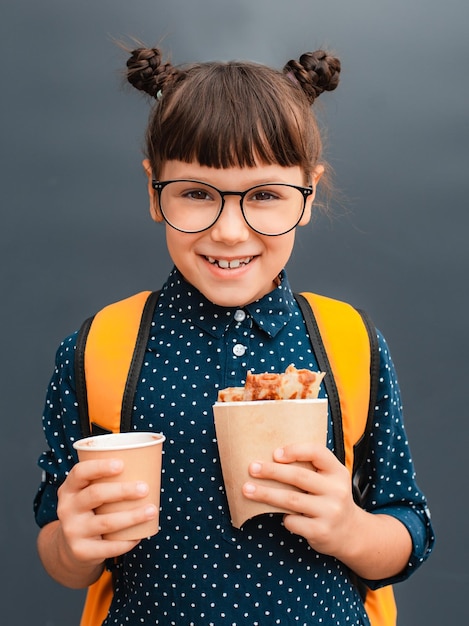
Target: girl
(233, 164)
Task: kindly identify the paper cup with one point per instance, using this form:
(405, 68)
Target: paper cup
(141, 453)
(252, 431)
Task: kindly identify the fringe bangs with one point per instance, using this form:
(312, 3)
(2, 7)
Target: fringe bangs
(233, 118)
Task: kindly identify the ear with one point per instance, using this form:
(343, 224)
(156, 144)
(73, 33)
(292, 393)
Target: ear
(316, 174)
(152, 194)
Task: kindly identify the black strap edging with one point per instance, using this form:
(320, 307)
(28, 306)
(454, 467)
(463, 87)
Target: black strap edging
(361, 448)
(137, 361)
(80, 380)
(329, 382)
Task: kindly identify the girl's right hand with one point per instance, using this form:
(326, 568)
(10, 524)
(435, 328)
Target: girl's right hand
(82, 529)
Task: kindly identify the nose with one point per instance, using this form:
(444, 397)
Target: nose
(230, 228)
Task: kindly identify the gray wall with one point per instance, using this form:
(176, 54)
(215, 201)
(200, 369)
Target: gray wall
(76, 235)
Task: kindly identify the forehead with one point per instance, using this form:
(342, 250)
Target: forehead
(232, 177)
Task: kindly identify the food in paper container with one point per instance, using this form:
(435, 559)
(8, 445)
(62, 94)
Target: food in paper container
(272, 410)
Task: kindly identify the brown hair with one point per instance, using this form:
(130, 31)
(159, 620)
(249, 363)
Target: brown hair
(233, 114)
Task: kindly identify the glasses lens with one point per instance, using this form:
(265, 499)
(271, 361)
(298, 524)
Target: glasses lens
(190, 206)
(273, 209)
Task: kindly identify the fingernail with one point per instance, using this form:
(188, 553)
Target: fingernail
(150, 511)
(142, 488)
(249, 488)
(255, 467)
(279, 452)
(116, 465)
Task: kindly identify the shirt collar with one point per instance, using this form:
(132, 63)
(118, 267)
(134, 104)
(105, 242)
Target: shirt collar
(270, 313)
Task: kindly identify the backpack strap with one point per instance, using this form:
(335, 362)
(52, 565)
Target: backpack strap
(345, 344)
(106, 376)
(107, 371)
(346, 347)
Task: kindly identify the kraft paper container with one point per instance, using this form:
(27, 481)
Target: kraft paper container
(251, 431)
(141, 453)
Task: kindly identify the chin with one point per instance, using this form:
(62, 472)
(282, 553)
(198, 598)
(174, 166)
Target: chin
(234, 299)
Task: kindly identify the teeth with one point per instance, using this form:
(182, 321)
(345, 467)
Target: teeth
(224, 264)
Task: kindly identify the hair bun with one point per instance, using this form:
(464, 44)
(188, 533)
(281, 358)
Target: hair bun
(147, 72)
(315, 72)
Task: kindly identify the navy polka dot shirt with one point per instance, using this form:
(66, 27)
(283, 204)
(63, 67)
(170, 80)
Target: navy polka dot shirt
(199, 569)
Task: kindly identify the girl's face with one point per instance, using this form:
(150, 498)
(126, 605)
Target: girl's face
(202, 258)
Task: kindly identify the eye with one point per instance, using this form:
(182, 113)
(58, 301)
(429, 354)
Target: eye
(198, 194)
(268, 194)
(262, 195)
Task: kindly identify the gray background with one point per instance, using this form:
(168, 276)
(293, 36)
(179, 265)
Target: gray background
(76, 234)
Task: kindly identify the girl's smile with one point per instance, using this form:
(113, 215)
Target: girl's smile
(227, 264)
(230, 263)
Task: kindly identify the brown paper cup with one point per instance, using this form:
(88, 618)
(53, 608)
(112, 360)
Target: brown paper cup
(251, 431)
(141, 453)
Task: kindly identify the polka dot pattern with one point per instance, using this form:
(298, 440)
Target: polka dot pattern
(199, 569)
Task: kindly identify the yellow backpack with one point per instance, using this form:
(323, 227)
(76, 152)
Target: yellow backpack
(345, 345)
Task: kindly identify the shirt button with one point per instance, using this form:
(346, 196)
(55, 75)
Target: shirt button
(239, 349)
(240, 315)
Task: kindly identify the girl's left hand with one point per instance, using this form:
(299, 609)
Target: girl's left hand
(324, 511)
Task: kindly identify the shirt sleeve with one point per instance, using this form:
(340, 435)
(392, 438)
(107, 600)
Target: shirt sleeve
(392, 486)
(61, 428)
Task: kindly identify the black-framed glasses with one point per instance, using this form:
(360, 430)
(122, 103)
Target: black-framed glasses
(192, 206)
